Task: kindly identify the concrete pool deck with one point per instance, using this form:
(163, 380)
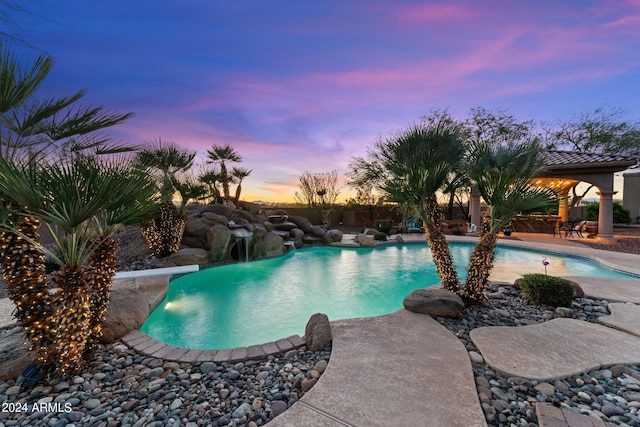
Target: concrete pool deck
(407, 369)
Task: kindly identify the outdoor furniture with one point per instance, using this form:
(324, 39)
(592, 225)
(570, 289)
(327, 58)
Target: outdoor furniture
(576, 230)
(412, 226)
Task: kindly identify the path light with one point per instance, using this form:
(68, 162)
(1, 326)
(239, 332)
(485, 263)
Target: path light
(545, 263)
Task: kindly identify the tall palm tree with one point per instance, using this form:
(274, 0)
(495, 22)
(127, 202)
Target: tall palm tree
(239, 174)
(164, 232)
(220, 155)
(503, 176)
(410, 168)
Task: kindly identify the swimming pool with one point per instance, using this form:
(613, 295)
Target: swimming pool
(252, 303)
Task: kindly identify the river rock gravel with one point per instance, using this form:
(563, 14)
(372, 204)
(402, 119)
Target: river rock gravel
(612, 394)
(121, 387)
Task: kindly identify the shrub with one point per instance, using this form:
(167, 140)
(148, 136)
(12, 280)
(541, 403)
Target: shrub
(383, 225)
(380, 236)
(620, 214)
(548, 290)
(457, 230)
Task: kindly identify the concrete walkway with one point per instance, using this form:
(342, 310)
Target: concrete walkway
(402, 369)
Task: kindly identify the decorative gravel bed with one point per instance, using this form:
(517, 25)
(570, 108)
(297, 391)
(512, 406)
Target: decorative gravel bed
(612, 394)
(124, 388)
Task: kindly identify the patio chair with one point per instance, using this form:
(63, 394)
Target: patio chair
(412, 226)
(576, 230)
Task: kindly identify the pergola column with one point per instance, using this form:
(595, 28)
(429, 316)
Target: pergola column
(563, 207)
(605, 214)
(474, 208)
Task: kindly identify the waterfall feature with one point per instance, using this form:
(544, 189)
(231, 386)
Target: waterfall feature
(242, 248)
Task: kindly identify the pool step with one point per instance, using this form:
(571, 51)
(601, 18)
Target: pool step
(144, 344)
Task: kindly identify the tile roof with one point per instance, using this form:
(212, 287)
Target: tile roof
(566, 158)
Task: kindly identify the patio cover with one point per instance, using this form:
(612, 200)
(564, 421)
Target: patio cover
(567, 168)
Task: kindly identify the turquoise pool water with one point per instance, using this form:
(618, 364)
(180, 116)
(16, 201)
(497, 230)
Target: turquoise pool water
(253, 303)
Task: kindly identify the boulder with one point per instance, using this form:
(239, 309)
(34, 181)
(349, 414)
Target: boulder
(270, 245)
(317, 333)
(14, 357)
(364, 240)
(276, 216)
(333, 236)
(218, 209)
(434, 302)
(211, 218)
(284, 226)
(128, 310)
(302, 223)
(196, 227)
(296, 233)
(259, 231)
(398, 238)
(318, 231)
(252, 208)
(194, 241)
(239, 213)
(298, 242)
(219, 238)
(189, 256)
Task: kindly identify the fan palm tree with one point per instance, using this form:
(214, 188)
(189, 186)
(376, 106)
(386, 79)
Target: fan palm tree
(502, 174)
(239, 174)
(409, 168)
(164, 232)
(220, 155)
(211, 178)
(30, 127)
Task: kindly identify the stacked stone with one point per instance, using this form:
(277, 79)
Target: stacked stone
(611, 394)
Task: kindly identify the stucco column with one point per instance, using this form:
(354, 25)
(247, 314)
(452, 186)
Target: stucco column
(474, 209)
(605, 215)
(563, 207)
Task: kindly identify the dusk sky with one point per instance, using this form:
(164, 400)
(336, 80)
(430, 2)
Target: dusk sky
(297, 85)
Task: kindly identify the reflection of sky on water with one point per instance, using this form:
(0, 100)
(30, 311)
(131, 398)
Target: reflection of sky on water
(252, 303)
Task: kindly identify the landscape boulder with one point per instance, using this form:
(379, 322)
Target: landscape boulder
(270, 245)
(317, 333)
(218, 209)
(128, 310)
(189, 256)
(434, 302)
(218, 238)
(302, 223)
(364, 240)
(318, 231)
(333, 236)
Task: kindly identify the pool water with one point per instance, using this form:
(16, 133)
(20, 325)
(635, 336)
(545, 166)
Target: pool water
(252, 303)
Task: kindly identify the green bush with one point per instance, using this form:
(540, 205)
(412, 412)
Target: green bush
(457, 230)
(620, 214)
(548, 290)
(380, 236)
(383, 225)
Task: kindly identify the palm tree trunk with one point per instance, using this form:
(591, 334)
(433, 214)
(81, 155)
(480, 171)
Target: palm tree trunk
(103, 264)
(71, 307)
(480, 266)
(439, 248)
(24, 271)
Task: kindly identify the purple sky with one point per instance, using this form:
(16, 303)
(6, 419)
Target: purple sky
(296, 85)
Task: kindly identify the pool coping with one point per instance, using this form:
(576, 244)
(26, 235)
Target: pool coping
(143, 343)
